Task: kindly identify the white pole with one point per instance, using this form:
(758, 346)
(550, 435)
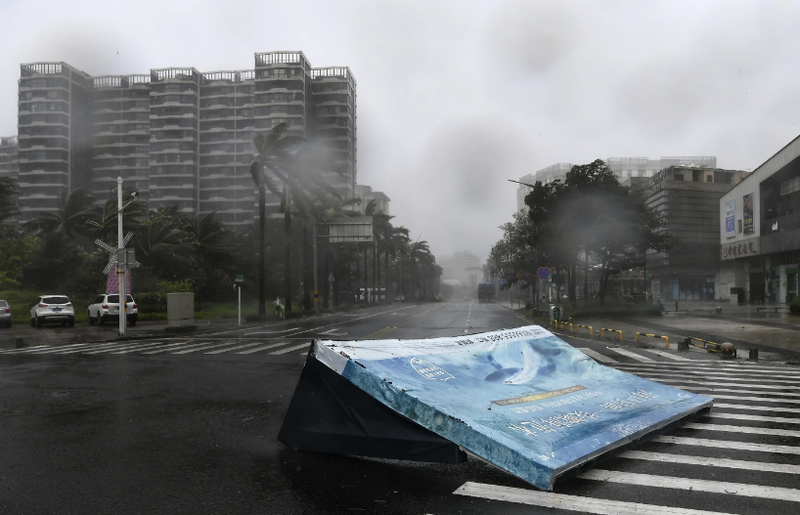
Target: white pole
(240, 305)
(316, 291)
(121, 270)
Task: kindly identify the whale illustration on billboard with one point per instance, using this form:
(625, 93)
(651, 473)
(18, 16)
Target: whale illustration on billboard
(521, 399)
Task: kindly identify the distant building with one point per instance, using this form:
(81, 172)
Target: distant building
(623, 167)
(759, 232)
(9, 165)
(688, 198)
(367, 195)
(463, 267)
(179, 136)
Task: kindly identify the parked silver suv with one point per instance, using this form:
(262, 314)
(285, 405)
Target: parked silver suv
(106, 307)
(52, 308)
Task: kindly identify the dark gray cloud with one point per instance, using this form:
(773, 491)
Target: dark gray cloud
(454, 98)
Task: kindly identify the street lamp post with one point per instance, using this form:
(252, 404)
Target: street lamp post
(255, 171)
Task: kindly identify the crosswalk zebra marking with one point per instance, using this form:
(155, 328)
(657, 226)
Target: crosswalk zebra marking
(265, 347)
(717, 367)
(27, 349)
(203, 346)
(658, 378)
(138, 348)
(668, 355)
(570, 503)
(743, 429)
(757, 418)
(747, 407)
(725, 444)
(680, 483)
(165, 348)
(238, 347)
(632, 355)
(708, 461)
(291, 349)
(721, 377)
(597, 356)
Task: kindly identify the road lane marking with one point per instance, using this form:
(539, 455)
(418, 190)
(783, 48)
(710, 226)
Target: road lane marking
(265, 347)
(272, 332)
(597, 356)
(27, 349)
(387, 330)
(731, 445)
(138, 348)
(722, 377)
(100, 348)
(669, 355)
(739, 398)
(680, 483)
(666, 457)
(745, 407)
(631, 355)
(220, 351)
(730, 390)
(167, 348)
(715, 367)
(570, 503)
(203, 346)
(757, 418)
(290, 349)
(743, 429)
(782, 389)
(112, 348)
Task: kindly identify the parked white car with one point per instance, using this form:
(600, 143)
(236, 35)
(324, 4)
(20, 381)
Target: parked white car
(52, 308)
(106, 307)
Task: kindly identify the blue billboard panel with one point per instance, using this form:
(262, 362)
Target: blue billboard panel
(522, 399)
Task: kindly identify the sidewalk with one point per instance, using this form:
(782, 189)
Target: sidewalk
(744, 326)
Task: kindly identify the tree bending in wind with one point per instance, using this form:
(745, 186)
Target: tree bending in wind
(295, 176)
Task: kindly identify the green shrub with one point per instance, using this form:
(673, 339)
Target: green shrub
(794, 308)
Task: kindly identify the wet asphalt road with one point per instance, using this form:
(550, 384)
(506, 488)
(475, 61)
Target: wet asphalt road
(193, 431)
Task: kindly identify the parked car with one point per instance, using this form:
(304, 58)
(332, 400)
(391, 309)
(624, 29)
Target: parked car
(52, 308)
(106, 307)
(5, 313)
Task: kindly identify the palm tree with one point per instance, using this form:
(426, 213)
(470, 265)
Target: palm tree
(381, 227)
(398, 245)
(9, 207)
(294, 177)
(103, 223)
(74, 211)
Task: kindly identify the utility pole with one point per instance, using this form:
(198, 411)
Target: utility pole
(121, 265)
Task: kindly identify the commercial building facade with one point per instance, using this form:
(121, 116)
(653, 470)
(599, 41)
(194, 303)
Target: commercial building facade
(688, 199)
(9, 160)
(179, 136)
(759, 231)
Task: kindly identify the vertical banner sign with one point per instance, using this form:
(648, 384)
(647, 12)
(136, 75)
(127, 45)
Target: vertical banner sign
(522, 398)
(747, 214)
(730, 217)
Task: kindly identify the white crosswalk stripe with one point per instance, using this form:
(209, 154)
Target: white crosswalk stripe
(748, 446)
(172, 347)
(631, 354)
(602, 358)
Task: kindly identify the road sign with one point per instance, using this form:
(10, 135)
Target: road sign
(519, 275)
(543, 273)
(330, 277)
(239, 279)
(501, 282)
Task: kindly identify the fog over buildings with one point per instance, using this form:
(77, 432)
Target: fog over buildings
(454, 98)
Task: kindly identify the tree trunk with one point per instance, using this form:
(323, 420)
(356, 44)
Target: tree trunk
(375, 274)
(585, 274)
(366, 273)
(287, 279)
(325, 284)
(306, 269)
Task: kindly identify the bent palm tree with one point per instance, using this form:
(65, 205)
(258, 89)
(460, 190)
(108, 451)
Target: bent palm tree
(74, 211)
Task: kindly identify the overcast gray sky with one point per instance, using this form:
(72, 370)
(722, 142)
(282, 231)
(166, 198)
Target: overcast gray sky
(456, 97)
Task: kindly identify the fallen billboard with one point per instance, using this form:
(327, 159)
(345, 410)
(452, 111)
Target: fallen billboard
(521, 399)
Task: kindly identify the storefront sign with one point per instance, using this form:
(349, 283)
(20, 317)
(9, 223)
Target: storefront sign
(747, 213)
(522, 398)
(730, 217)
(738, 250)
